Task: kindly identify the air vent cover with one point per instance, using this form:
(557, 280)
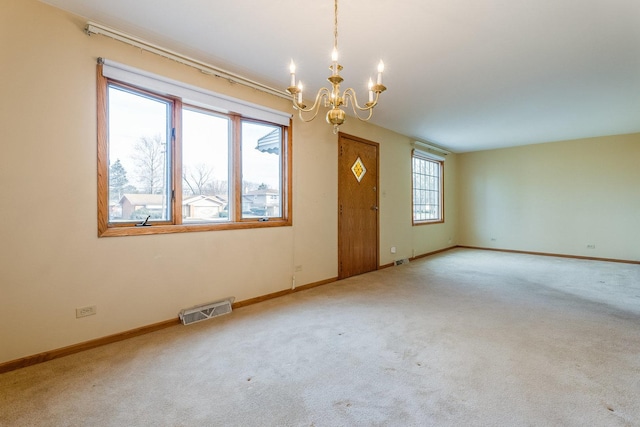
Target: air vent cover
(206, 311)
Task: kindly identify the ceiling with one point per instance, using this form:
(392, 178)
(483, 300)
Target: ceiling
(463, 74)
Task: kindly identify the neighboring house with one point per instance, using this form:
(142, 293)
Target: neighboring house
(264, 202)
(144, 204)
(138, 206)
(202, 207)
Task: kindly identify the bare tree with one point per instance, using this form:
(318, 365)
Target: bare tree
(219, 187)
(150, 163)
(197, 178)
(250, 186)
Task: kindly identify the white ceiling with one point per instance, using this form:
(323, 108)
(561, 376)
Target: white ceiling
(463, 74)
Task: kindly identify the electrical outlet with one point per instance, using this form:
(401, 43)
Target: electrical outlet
(393, 249)
(591, 246)
(493, 239)
(298, 268)
(86, 311)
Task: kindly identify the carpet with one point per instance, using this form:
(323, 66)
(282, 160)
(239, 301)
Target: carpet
(461, 338)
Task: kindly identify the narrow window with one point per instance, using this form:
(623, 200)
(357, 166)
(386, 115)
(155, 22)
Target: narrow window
(427, 177)
(261, 170)
(140, 130)
(205, 166)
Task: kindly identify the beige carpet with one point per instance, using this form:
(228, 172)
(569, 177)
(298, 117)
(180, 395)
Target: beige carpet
(463, 338)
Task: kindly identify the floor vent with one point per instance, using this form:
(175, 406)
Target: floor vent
(402, 261)
(206, 311)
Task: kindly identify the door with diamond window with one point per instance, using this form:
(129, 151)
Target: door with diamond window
(357, 206)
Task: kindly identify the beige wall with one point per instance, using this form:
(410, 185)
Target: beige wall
(51, 260)
(554, 198)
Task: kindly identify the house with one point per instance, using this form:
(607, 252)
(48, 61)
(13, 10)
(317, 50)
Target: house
(139, 206)
(574, 197)
(203, 207)
(263, 202)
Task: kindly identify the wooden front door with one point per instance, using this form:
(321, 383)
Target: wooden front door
(357, 206)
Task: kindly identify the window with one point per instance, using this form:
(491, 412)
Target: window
(174, 158)
(427, 173)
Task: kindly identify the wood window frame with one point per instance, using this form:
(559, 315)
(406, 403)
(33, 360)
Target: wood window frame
(175, 225)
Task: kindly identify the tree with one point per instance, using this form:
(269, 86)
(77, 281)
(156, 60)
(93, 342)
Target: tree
(197, 178)
(218, 187)
(117, 180)
(249, 186)
(150, 163)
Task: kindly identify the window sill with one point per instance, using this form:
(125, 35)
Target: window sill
(189, 228)
(435, 221)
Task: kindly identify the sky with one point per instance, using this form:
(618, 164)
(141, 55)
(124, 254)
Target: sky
(205, 138)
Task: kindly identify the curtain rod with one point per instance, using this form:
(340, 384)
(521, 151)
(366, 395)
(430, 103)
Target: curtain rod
(93, 28)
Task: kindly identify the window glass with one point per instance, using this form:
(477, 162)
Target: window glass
(427, 190)
(205, 166)
(261, 170)
(139, 169)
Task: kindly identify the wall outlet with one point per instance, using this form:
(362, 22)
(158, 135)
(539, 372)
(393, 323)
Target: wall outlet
(493, 239)
(591, 246)
(86, 311)
(393, 249)
(298, 268)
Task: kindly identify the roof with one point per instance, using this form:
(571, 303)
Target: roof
(262, 191)
(202, 200)
(143, 199)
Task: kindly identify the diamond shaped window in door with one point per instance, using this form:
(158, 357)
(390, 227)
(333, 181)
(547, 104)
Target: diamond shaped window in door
(358, 169)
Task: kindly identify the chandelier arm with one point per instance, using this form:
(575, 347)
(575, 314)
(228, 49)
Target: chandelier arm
(315, 108)
(350, 93)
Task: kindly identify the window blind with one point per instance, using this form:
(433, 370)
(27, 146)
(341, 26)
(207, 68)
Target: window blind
(190, 94)
(427, 155)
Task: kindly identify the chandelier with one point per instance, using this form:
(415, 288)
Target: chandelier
(332, 98)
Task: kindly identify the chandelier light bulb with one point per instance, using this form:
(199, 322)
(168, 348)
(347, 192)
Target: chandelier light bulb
(292, 70)
(380, 70)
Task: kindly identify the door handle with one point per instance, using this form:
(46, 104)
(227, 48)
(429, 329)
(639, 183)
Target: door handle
(374, 208)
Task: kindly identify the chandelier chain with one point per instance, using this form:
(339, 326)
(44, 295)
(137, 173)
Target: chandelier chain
(335, 24)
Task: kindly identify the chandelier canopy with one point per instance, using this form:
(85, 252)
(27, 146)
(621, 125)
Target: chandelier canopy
(332, 97)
